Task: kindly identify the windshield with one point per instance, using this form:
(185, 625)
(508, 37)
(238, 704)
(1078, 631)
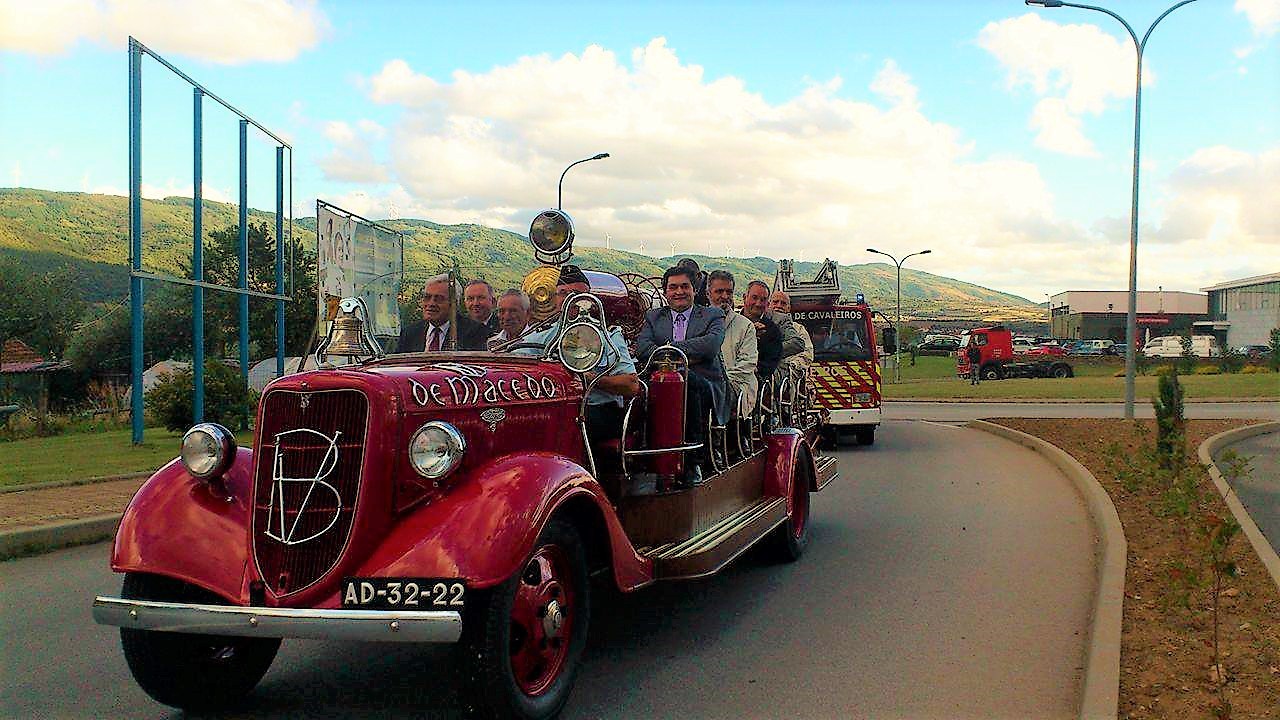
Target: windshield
(838, 334)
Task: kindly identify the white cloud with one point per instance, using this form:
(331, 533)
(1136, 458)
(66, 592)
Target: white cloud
(1263, 15)
(220, 31)
(1264, 18)
(705, 164)
(351, 159)
(1060, 130)
(171, 188)
(1076, 69)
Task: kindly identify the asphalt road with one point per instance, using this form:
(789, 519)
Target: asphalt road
(1259, 487)
(949, 575)
(964, 411)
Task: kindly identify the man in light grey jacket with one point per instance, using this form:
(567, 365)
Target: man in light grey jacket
(739, 350)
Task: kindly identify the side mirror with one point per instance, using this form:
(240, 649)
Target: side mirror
(889, 339)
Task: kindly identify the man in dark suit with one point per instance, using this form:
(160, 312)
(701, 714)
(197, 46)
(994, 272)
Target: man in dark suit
(698, 330)
(437, 331)
(480, 302)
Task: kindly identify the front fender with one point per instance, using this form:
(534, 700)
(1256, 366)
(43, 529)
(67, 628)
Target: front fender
(189, 529)
(483, 530)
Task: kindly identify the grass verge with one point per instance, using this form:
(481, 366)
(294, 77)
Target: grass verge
(1097, 387)
(87, 455)
(1165, 656)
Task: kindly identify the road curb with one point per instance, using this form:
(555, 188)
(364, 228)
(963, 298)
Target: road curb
(23, 542)
(1069, 401)
(1261, 547)
(1101, 691)
(73, 483)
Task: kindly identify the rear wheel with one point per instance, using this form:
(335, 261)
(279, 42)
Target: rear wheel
(865, 435)
(992, 372)
(192, 672)
(792, 537)
(1061, 371)
(524, 638)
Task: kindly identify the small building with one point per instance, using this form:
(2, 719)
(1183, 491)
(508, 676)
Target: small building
(25, 375)
(1243, 312)
(1103, 314)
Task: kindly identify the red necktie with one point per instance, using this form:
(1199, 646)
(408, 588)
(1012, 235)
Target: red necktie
(433, 345)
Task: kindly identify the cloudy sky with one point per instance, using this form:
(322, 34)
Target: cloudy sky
(997, 135)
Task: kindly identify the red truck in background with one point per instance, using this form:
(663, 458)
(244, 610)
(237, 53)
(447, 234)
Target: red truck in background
(998, 361)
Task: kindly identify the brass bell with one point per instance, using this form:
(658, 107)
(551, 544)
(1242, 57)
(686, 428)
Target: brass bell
(348, 330)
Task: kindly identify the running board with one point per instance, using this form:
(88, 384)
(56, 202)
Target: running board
(828, 468)
(710, 550)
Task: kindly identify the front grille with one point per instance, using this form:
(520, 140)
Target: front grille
(309, 461)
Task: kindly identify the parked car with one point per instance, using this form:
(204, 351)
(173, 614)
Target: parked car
(1047, 349)
(1120, 349)
(938, 346)
(1254, 352)
(1022, 345)
(1170, 346)
(1082, 348)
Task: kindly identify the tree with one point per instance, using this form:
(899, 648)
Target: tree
(222, 267)
(39, 310)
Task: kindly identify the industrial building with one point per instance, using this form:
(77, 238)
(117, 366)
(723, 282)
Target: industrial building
(1243, 312)
(1102, 314)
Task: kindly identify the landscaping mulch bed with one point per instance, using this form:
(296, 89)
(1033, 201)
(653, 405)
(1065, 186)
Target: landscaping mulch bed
(1166, 647)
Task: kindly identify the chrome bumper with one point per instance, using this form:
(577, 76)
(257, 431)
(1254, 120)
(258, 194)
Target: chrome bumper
(338, 624)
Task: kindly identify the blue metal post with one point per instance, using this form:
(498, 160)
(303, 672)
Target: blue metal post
(244, 257)
(280, 260)
(197, 253)
(135, 234)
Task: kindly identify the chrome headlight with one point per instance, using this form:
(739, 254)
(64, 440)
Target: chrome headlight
(581, 347)
(208, 450)
(436, 449)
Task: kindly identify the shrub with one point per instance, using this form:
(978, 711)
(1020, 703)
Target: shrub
(226, 397)
(1170, 426)
(1255, 369)
(1231, 361)
(1208, 370)
(1273, 360)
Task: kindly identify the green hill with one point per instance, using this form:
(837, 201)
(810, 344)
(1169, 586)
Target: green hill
(45, 229)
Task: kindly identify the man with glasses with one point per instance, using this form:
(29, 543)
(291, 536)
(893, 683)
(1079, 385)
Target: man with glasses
(441, 328)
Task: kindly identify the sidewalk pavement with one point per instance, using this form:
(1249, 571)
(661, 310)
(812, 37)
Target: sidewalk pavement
(41, 519)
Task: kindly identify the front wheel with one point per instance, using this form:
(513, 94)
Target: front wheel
(1061, 371)
(992, 372)
(524, 638)
(192, 672)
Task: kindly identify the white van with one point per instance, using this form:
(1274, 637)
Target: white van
(1202, 346)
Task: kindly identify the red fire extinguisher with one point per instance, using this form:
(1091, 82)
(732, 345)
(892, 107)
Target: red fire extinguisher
(666, 422)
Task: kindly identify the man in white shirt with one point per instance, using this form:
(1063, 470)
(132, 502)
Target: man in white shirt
(739, 350)
(513, 316)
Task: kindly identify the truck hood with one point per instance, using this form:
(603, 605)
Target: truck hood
(475, 380)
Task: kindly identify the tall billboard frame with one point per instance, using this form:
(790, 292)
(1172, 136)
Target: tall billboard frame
(136, 274)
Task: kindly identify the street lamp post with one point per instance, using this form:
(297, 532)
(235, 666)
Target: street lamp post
(1131, 322)
(560, 187)
(897, 347)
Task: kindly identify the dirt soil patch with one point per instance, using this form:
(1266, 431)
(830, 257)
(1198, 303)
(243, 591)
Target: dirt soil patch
(1166, 644)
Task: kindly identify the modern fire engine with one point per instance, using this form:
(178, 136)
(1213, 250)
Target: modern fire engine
(845, 375)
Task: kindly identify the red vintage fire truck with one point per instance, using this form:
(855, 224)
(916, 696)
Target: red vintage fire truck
(845, 374)
(446, 498)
